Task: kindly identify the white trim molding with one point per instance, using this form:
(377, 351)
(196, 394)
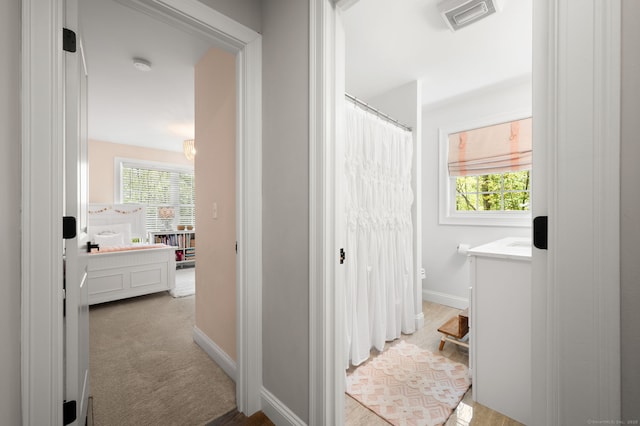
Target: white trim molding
(326, 375)
(215, 352)
(213, 22)
(278, 412)
(445, 299)
(42, 210)
(198, 19)
(249, 212)
(576, 323)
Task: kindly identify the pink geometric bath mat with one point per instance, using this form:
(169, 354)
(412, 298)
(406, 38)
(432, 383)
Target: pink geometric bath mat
(409, 386)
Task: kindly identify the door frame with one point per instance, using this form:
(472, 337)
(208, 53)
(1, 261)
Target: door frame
(554, 99)
(42, 201)
(326, 378)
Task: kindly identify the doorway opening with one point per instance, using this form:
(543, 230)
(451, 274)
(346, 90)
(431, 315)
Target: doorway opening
(142, 120)
(468, 91)
(45, 320)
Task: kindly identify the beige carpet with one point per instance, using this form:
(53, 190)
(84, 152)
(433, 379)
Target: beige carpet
(146, 369)
(407, 385)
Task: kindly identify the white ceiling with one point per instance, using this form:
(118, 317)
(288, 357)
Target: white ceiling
(154, 108)
(388, 44)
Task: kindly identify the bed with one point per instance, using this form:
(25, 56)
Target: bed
(125, 265)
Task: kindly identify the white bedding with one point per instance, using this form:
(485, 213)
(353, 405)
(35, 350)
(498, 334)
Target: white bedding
(118, 234)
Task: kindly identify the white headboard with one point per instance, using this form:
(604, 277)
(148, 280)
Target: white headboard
(129, 219)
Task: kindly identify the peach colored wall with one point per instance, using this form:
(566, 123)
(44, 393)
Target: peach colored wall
(215, 135)
(101, 162)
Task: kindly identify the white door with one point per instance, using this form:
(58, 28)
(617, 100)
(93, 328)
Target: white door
(575, 287)
(76, 320)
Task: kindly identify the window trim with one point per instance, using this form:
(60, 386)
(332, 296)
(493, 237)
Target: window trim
(446, 191)
(120, 162)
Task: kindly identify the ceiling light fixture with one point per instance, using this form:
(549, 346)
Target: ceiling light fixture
(141, 64)
(189, 147)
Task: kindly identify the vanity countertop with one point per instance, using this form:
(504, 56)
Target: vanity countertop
(506, 248)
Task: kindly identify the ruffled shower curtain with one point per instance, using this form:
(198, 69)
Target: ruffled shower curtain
(379, 290)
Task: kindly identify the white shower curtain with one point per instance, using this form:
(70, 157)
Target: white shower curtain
(379, 290)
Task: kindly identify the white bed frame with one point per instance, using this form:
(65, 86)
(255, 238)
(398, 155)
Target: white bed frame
(123, 274)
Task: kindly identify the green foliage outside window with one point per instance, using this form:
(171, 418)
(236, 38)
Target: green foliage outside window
(508, 191)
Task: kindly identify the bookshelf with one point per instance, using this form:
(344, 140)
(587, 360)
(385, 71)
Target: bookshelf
(183, 241)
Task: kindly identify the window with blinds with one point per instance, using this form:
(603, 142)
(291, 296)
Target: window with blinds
(161, 189)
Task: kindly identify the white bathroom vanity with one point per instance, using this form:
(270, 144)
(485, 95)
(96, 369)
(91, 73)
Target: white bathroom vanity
(500, 353)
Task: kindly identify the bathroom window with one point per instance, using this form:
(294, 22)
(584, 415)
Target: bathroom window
(509, 191)
(485, 176)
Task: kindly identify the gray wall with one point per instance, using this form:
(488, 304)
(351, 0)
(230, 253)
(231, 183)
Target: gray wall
(10, 213)
(447, 272)
(285, 195)
(247, 12)
(630, 212)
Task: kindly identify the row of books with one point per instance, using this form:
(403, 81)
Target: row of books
(180, 240)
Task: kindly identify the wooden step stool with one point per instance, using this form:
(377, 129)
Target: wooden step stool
(455, 329)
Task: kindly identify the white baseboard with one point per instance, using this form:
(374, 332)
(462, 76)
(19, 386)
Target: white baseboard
(216, 353)
(277, 412)
(445, 299)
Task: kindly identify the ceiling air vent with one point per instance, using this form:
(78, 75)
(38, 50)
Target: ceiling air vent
(460, 13)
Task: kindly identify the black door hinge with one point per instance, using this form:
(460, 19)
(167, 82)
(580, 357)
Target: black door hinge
(342, 256)
(540, 232)
(68, 227)
(236, 247)
(69, 413)
(68, 40)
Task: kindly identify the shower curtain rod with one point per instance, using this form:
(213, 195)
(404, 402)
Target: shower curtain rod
(377, 112)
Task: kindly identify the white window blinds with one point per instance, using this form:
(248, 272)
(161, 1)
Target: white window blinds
(159, 188)
(501, 148)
